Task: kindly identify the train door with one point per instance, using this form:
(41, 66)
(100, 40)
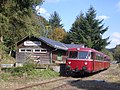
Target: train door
(93, 59)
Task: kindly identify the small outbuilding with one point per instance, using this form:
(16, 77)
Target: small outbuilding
(42, 50)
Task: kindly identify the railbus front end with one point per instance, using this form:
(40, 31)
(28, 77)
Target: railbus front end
(79, 60)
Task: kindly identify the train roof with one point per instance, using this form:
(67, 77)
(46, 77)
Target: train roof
(85, 49)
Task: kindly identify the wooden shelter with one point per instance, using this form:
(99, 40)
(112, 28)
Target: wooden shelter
(42, 50)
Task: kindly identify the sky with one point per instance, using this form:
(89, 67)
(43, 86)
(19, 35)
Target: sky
(68, 10)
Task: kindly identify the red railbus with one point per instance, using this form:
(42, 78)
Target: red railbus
(81, 60)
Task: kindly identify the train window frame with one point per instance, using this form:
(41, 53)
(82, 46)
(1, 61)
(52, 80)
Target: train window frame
(99, 57)
(74, 55)
(87, 56)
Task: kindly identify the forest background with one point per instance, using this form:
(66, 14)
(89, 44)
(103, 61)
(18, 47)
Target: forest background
(18, 19)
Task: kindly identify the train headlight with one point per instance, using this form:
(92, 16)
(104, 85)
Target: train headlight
(85, 63)
(78, 48)
(69, 62)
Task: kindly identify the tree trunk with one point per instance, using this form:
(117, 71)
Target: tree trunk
(0, 60)
(1, 39)
(10, 52)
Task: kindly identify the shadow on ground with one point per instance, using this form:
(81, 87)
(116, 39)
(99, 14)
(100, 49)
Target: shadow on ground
(94, 85)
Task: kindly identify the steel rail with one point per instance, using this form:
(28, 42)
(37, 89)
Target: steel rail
(38, 84)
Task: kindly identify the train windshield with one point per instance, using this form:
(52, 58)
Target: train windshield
(73, 54)
(83, 55)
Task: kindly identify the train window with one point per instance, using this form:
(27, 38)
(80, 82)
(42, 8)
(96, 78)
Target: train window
(99, 57)
(73, 54)
(106, 58)
(84, 55)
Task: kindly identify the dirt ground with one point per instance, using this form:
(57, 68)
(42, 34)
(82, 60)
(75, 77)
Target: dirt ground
(104, 80)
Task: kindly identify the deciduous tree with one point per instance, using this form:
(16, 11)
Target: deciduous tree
(58, 34)
(17, 20)
(116, 53)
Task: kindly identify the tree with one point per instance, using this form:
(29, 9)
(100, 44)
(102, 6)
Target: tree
(55, 20)
(116, 53)
(110, 54)
(56, 31)
(88, 30)
(3, 26)
(45, 28)
(17, 20)
(58, 34)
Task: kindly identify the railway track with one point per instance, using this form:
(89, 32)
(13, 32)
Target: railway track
(65, 85)
(56, 84)
(45, 84)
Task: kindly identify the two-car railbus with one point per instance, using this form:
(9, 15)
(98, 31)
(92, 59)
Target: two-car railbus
(86, 60)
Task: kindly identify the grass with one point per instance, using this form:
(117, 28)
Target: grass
(4, 76)
(7, 59)
(8, 81)
(9, 75)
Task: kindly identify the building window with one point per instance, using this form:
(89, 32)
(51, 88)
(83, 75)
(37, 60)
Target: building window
(28, 50)
(21, 50)
(43, 51)
(59, 56)
(36, 50)
(25, 50)
(33, 50)
(40, 50)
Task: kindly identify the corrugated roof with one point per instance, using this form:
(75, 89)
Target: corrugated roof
(59, 45)
(74, 45)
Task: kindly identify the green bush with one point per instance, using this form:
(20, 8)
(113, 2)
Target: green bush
(28, 70)
(47, 73)
(20, 71)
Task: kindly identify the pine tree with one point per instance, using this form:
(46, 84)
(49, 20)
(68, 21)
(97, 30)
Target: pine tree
(57, 32)
(88, 30)
(55, 20)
